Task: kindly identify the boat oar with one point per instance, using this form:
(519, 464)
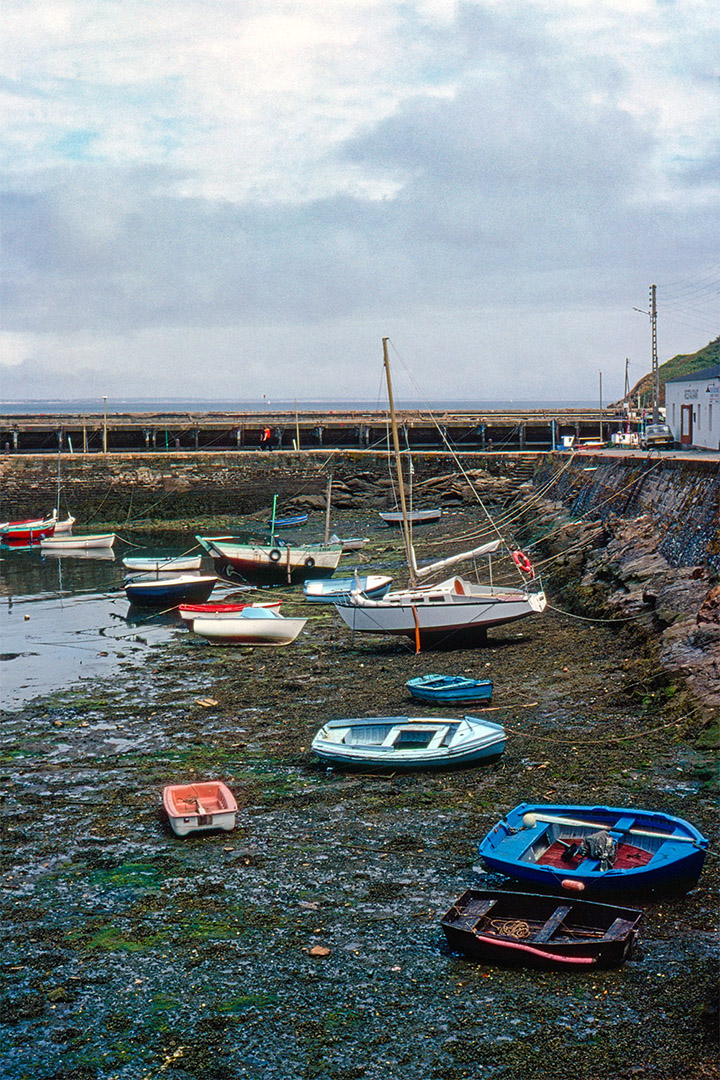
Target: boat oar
(531, 819)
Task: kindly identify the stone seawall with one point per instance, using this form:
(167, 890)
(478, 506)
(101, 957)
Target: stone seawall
(111, 488)
(681, 496)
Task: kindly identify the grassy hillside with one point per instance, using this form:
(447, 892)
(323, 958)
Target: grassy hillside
(675, 368)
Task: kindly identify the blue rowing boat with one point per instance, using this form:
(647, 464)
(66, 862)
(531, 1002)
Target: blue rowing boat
(596, 849)
(450, 689)
(409, 742)
(169, 592)
(289, 522)
(335, 590)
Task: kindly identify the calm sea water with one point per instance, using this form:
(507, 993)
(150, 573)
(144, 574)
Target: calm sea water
(92, 406)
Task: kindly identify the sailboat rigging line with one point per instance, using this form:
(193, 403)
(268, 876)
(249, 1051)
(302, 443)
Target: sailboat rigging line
(398, 460)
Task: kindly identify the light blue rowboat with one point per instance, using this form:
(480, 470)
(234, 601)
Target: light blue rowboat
(335, 590)
(408, 742)
(450, 689)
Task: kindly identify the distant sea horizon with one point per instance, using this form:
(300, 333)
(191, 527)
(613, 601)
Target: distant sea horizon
(115, 406)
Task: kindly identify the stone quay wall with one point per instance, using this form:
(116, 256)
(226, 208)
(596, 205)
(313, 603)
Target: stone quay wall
(681, 495)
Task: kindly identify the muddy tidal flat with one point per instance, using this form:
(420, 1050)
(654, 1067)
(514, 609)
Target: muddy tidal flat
(305, 944)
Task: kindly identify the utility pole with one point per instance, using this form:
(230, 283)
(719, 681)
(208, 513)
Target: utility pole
(626, 394)
(105, 424)
(655, 367)
(601, 407)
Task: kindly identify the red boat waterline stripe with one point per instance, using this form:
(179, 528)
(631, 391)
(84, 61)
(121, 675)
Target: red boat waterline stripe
(555, 957)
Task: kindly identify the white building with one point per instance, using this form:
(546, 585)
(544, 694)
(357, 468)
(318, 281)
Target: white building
(692, 408)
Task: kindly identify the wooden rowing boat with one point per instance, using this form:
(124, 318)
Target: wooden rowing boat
(539, 931)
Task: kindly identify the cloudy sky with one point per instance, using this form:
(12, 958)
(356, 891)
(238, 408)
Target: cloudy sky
(230, 198)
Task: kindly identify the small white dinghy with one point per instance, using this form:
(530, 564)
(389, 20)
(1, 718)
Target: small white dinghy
(196, 807)
(408, 742)
(66, 542)
(253, 626)
(171, 563)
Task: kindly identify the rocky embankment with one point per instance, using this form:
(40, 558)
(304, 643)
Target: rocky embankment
(615, 567)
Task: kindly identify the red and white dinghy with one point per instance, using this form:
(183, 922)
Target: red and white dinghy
(221, 611)
(26, 533)
(206, 804)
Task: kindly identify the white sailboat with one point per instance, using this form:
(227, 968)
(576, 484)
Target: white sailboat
(454, 609)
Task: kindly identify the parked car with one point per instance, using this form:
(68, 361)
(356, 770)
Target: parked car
(657, 437)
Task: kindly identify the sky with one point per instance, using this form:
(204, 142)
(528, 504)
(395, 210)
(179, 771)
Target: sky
(228, 199)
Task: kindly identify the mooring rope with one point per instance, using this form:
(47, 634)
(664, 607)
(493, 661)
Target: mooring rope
(587, 618)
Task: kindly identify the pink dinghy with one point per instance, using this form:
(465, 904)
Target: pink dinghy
(196, 807)
(220, 611)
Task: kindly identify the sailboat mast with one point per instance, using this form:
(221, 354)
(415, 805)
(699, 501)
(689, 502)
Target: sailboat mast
(398, 464)
(328, 499)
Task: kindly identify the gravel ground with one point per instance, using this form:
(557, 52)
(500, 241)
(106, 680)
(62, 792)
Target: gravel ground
(130, 953)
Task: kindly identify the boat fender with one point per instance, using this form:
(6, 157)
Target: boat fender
(521, 560)
(574, 886)
(309, 562)
(275, 555)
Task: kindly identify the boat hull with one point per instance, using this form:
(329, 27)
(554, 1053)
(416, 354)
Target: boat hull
(670, 859)
(98, 541)
(249, 631)
(332, 590)
(402, 742)
(436, 613)
(535, 931)
(24, 535)
(414, 517)
(269, 563)
(175, 564)
(190, 612)
(170, 592)
(450, 690)
(200, 806)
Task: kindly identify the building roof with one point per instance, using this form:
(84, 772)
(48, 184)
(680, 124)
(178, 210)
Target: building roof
(698, 376)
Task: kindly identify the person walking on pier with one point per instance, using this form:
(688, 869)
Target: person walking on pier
(266, 441)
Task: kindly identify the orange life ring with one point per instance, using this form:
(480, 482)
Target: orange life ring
(521, 560)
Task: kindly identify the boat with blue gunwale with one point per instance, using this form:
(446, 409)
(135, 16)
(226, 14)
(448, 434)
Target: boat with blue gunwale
(450, 689)
(408, 742)
(595, 849)
(333, 590)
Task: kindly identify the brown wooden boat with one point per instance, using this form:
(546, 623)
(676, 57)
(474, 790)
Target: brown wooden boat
(540, 931)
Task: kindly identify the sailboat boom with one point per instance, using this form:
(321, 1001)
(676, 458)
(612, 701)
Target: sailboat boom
(484, 549)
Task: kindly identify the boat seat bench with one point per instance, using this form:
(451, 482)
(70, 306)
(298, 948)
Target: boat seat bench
(617, 930)
(474, 913)
(547, 931)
